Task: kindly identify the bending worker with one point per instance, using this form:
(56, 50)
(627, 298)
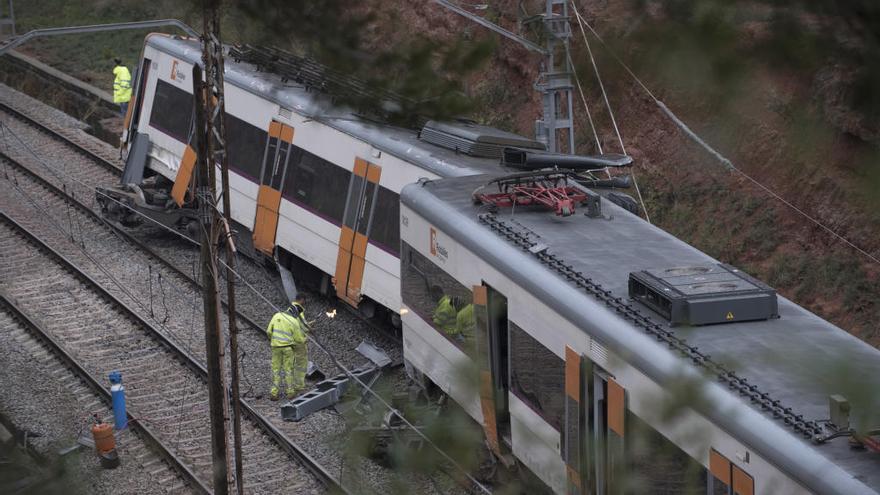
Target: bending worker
(287, 336)
(454, 318)
(121, 86)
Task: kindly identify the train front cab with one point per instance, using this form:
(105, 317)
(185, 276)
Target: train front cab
(325, 201)
(580, 419)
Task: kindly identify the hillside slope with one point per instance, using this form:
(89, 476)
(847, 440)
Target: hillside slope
(765, 85)
(790, 127)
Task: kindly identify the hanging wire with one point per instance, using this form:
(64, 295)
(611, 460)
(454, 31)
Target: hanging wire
(718, 156)
(608, 106)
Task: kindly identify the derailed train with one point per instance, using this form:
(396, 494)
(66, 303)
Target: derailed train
(586, 327)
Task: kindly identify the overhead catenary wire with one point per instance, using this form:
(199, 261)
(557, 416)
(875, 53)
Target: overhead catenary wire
(727, 163)
(607, 105)
(482, 488)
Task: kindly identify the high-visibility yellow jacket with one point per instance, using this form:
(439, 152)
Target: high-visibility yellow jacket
(464, 321)
(445, 315)
(121, 85)
(285, 330)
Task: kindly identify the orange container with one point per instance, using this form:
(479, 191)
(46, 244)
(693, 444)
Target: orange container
(103, 435)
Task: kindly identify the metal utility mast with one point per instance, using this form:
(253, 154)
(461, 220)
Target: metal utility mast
(554, 82)
(211, 149)
(556, 128)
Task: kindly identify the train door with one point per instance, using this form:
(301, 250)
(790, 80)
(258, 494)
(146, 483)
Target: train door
(356, 222)
(609, 429)
(134, 108)
(726, 478)
(272, 173)
(593, 446)
(490, 313)
(576, 423)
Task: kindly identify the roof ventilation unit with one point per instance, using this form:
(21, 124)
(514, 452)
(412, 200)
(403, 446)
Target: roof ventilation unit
(702, 295)
(474, 139)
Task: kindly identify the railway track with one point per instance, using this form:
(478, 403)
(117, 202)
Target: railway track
(108, 163)
(165, 384)
(60, 194)
(110, 170)
(166, 470)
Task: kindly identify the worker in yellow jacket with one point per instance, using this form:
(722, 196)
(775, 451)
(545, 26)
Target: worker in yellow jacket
(287, 337)
(121, 86)
(454, 320)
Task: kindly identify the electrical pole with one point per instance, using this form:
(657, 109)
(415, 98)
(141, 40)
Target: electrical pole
(554, 82)
(214, 68)
(205, 194)
(215, 148)
(556, 128)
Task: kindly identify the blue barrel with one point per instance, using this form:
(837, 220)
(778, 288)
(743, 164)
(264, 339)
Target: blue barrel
(117, 392)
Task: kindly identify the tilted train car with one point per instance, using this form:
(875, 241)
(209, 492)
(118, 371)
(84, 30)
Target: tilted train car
(567, 376)
(312, 184)
(581, 324)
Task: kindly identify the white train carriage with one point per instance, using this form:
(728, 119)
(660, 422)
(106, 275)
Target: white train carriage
(315, 185)
(585, 398)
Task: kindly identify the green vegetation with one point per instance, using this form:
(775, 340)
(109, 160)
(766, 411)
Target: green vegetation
(427, 75)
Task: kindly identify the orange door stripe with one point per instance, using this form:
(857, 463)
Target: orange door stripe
(184, 176)
(128, 113)
(616, 407)
(719, 466)
(487, 393)
(487, 404)
(274, 129)
(343, 261)
(572, 374)
(266, 222)
(269, 199)
(743, 484)
(574, 477)
(356, 271)
(287, 133)
(481, 295)
(360, 167)
(373, 174)
(352, 258)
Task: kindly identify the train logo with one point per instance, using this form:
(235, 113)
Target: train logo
(177, 75)
(437, 250)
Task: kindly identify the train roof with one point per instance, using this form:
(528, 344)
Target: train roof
(799, 358)
(402, 143)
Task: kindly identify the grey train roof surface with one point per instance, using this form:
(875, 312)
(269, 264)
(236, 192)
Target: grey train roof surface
(799, 358)
(402, 143)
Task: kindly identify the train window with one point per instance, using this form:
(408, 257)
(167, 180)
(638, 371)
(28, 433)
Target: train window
(172, 111)
(656, 465)
(317, 184)
(245, 146)
(385, 230)
(437, 298)
(537, 376)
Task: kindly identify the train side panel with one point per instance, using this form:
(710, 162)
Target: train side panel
(535, 441)
(302, 230)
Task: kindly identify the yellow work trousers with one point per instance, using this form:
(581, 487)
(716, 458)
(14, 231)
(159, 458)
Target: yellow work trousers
(293, 361)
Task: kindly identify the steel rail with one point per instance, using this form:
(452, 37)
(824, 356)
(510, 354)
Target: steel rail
(189, 360)
(92, 381)
(116, 169)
